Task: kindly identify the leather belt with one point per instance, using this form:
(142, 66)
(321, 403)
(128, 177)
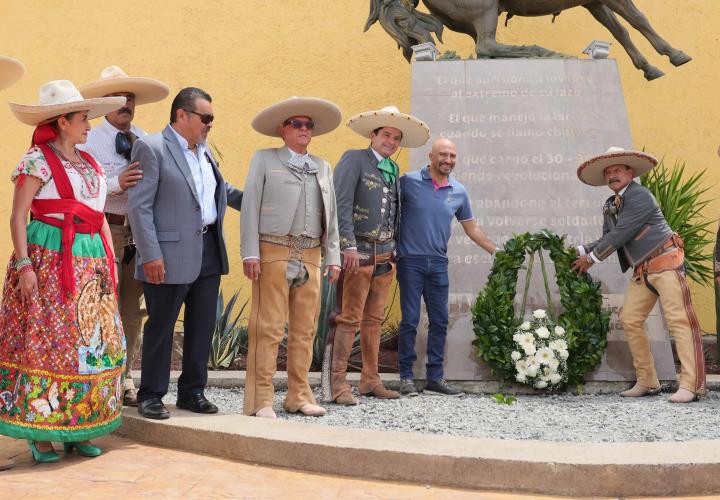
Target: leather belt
(385, 237)
(207, 227)
(294, 242)
(115, 219)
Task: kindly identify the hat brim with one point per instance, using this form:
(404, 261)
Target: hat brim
(11, 70)
(146, 90)
(33, 114)
(415, 132)
(592, 171)
(325, 114)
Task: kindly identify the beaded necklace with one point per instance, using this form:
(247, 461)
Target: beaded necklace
(86, 172)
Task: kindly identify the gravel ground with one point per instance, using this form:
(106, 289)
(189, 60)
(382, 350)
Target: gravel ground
(590, 418)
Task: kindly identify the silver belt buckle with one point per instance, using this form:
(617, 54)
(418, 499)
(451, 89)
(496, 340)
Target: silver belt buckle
(204, 229)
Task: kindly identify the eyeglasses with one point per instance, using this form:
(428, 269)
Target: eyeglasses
(298, 124)
(205, 118)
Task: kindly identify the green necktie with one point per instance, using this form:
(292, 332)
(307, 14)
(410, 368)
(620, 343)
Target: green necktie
(389, 169)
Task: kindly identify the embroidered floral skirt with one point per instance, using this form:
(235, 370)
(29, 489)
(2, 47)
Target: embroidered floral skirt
(61, 357)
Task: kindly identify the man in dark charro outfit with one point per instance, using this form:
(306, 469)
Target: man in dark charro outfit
(368, 201)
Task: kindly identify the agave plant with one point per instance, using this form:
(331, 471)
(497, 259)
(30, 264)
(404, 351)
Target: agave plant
(682, 201)
(229, 336)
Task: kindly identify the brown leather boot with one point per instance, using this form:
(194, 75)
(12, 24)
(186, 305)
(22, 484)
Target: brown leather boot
(683, 396)
(346, 399)
(380, 392)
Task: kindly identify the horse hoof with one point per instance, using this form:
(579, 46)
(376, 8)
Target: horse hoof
(679, 58)
(653, 73)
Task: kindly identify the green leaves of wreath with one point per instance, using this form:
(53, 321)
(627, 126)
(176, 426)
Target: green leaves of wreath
(585, 321)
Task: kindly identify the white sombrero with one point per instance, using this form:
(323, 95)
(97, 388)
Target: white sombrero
(10, 71)
(415, 131)
(60, 97)
(325, 114)
(113, 80)
(592, 171)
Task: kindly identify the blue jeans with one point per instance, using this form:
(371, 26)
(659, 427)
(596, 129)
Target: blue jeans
(425, 277)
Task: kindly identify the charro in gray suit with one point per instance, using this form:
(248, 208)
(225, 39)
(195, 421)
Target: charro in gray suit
(636, 229)
(177, 213)
(288, 224)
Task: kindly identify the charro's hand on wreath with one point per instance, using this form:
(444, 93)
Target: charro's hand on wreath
(582, 264)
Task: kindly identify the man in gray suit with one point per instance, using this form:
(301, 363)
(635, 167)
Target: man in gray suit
(634, 227)
(176, 213)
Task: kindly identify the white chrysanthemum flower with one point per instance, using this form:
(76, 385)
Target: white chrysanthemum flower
(539, 314)
(529, 349)
(532, 369)
(558, 345)
(555, 379)
(559, 331)
(521, 366)
(515, 355)
(544, 356)
(554, 365)
(541, 384)
(517, 338)
(525, 326)
(521, 378)
(564, 355)
(542, 332)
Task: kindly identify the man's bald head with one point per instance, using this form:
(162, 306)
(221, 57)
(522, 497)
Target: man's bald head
(442, 157)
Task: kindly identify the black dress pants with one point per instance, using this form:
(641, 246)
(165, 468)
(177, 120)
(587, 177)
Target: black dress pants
(163, 303)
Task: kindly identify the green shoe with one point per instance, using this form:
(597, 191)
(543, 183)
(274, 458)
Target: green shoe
(42, 457)
(86, 450)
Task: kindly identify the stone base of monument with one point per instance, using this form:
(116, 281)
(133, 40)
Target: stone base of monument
(521, 128)
(573, 469)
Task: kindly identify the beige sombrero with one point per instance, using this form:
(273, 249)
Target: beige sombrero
(113, 80)
(10, 71)
(60, 97)
(415, 131)
(325, 114)
(592, 171)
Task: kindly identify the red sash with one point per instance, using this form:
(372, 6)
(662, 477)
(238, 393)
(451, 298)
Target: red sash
(77, 217)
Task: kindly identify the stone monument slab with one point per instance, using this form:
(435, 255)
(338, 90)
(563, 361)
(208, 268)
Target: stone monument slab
(522, 127)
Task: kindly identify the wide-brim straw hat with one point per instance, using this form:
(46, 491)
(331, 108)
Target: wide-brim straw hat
(11, 70)
(415, 132)
(113, 80)
(60, 97)
(592, 171)
(325, 114)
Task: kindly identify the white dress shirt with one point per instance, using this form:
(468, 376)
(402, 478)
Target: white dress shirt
(205, 182)
(101, 145)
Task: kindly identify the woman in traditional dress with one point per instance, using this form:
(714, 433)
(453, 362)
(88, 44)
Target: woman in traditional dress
(10, 71)
(62, 349)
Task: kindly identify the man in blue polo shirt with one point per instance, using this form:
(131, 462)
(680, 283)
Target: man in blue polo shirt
(431, 198)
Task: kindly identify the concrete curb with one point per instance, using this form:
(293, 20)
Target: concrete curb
(572, 469)
(223, 378)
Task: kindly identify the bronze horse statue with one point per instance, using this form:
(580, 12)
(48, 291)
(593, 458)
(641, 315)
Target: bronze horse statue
(479, 19)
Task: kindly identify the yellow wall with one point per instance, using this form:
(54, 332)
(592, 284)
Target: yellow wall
(250, 53)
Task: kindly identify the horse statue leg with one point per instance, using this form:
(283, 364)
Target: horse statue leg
(607, 18)
(487, 47)
(638, 20)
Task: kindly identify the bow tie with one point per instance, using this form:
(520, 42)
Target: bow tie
(613, 204)
(124, 142)
(302, 164)
(389, 169)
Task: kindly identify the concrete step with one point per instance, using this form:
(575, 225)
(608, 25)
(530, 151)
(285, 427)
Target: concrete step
(572, 469)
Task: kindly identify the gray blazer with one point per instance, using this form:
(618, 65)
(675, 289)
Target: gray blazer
(164, 209)
(271, 197)
(364, 197)
(638, 230)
